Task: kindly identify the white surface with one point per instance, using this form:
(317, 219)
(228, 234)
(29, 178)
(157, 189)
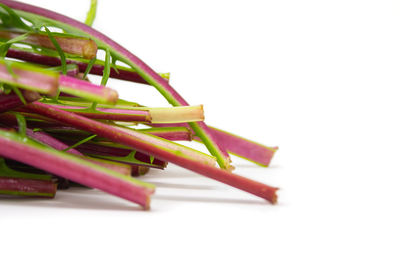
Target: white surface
(318, 78)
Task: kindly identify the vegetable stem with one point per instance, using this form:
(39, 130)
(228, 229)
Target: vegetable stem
(146, 146)
(86, 173)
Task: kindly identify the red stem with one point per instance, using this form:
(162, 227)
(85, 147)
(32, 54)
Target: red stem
(55, 61)
(237, 145)
(110, 114)
(18, 186)
(119, 136)
(11, 101)
(80, 172)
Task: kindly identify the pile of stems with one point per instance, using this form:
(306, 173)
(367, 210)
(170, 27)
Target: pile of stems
(55, 122)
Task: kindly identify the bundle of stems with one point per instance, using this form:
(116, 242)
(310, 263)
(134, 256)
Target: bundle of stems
(57, 126)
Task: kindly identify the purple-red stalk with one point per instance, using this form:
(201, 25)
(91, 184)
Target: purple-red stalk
(27, 187)
(84, 173)
(236, 145)
(110, 114)
(86, 89)
(49, 140)
(11, 101)
(122, 137)
(97, 69)
(121, 168)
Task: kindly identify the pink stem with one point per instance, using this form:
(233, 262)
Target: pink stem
(122, 137)
(80, 172)
(82, 66)
(27, 187)
(11, 101)
(83, 88)
(49, 140)
(110, 114)
(237, 145)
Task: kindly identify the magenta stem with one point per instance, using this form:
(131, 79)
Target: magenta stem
(69, 167)
(110, 114)
(82, 66)
(49, 140)
(11, 101)
(235, 144)
(27, 187)
(121, 137)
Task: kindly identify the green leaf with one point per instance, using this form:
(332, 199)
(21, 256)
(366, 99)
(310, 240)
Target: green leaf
(21, 124)
(19, 94)
(11, 20)
(107, 67)
(91, 15)
(59, 50)
(5, 46)
(7, 172)
(59, 68)
(80, 142)
(89, 67)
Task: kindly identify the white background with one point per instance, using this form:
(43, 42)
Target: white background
(318, 78)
